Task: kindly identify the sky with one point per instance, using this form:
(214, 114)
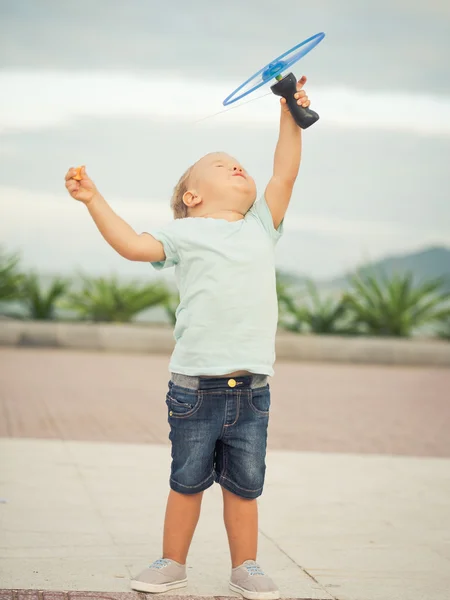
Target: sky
(132, 90)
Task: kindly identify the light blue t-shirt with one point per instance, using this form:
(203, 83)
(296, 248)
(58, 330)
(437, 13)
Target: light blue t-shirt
(228, 311)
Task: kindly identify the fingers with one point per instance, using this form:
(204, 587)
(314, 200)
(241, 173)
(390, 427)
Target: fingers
(72, 186)
(72, 181)
(300, 95)
(70, 173)
(302, 98)
(301, 82)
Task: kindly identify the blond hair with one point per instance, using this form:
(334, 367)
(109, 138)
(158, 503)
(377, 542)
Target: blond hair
(180, 210)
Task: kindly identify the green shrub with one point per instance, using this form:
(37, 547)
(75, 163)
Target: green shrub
(105, 299)
(395, 306)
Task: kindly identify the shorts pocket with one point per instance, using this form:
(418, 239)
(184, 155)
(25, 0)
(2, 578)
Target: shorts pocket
(182, 402)
(259, 401)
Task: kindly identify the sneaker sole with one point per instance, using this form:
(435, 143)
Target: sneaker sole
(157, 588)
(254, 595)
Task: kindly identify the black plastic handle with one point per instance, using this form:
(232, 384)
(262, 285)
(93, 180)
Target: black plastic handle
(286, 88)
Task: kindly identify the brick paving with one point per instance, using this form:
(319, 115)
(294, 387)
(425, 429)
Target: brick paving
(61, 394)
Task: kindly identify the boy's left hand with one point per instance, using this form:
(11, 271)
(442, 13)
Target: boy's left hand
(300, 96)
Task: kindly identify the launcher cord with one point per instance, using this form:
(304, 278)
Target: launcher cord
(231, 108)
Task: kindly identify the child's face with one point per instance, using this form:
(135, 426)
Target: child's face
(222, 183)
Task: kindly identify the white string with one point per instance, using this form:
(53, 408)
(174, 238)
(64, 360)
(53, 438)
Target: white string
(231, 108)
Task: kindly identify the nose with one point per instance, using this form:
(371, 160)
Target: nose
(237, 168)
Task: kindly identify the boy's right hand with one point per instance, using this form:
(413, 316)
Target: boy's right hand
(83, 190)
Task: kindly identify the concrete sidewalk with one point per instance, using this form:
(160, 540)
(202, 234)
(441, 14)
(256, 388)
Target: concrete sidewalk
(88, 515)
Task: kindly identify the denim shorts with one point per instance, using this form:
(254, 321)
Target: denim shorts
(218, 430)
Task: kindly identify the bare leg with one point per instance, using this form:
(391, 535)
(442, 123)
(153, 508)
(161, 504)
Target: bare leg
(182, 514)
(241, 522)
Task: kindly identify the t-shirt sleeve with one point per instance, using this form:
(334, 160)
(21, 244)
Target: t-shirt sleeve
(261, 211)
(168, 238)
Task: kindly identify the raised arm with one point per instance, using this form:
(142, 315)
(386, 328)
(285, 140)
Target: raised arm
(129, 244)
(287, 159)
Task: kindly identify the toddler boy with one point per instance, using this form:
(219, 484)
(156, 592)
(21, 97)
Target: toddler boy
(221, 244)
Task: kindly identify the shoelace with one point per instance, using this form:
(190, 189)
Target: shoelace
(254, 569)
(159, 564)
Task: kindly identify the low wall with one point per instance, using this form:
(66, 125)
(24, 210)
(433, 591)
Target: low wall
(159, 340)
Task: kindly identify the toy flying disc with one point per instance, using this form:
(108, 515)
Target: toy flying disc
(285, 86)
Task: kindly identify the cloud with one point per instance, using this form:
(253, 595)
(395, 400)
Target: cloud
(35, 100)
(27, 210)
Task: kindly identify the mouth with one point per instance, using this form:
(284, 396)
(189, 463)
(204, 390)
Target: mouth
(239, 175)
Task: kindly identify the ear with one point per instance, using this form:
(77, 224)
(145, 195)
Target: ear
(191, 199)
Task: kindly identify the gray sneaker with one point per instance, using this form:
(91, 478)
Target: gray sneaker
(161, 576)
(251, 582)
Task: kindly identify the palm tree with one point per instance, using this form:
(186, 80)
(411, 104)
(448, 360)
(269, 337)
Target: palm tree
(394, 306)
(106, 300)
(325, 315)
(39, 302)
(10, 277)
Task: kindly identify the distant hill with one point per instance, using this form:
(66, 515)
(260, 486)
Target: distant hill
(426, 264)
